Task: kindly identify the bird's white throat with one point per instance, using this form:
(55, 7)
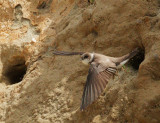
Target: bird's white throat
(85, 61)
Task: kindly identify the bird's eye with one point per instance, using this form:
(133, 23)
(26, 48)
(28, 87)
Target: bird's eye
(85, 57)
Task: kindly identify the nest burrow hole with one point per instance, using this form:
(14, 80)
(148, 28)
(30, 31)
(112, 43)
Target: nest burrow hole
(137, 59)
(16, 71)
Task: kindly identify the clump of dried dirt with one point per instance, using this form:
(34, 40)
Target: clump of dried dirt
(37, 86)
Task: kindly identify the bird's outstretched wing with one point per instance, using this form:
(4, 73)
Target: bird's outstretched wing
(67, 53)
(97, 80)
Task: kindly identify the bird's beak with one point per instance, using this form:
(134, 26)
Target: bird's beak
(82, 58)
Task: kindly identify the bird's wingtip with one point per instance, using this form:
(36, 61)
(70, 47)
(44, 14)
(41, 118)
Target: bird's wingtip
(82, 109)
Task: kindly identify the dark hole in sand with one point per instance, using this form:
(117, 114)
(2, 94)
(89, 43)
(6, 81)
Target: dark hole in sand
(137, 59)
(15, 73)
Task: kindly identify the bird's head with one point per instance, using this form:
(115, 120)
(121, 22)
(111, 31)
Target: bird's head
(87, 58)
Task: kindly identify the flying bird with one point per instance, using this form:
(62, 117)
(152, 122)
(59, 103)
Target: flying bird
(102, 68)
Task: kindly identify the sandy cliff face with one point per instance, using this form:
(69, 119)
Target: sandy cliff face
(38, 87)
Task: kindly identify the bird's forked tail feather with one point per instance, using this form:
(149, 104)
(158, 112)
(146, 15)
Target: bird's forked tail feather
(122, 60)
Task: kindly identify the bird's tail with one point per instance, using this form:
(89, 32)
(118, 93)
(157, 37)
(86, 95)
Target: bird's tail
(122, 60)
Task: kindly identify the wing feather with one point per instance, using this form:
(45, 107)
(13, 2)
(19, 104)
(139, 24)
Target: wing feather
(95, 91)
(67, 53)
(97, 87)
(92, 93)
(102, 79)
(97, 80)
(89, 94)
(99, 83)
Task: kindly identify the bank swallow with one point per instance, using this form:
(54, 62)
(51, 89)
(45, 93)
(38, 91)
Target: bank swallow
(102, 68)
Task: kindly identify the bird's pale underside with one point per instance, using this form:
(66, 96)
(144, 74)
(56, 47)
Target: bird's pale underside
(102, 68)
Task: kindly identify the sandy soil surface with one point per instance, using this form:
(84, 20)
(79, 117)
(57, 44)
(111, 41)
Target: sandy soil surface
(38, 87)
